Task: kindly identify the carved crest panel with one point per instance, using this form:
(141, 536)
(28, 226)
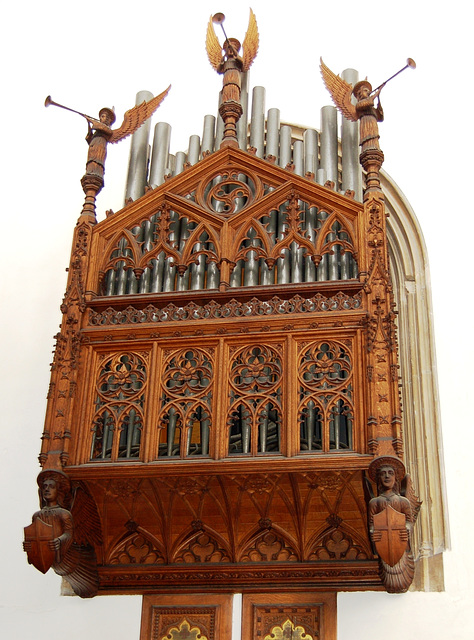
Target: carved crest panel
(297, 616)
(186, 617)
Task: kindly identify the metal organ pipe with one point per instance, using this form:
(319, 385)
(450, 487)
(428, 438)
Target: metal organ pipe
(311, 157)
(179, 162)
(351, 171)
(273, 133)
(285, 145)
(278, 141)
(194, 149)
(139, 152)
(257, 124)
(242, 123)
(329, 156)
(208, 138)
(159, 157)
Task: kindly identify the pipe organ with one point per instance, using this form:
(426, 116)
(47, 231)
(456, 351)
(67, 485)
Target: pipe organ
(226, 369)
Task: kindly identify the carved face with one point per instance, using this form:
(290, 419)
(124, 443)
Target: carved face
(105, 118)
(363, 92)
(387, 477)
(50, 490)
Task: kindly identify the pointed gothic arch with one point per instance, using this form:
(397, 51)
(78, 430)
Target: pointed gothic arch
(420, 400)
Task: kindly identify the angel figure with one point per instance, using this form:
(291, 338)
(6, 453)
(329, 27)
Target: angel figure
(392, 514)
(100, 132)
(367, 113)
(226, 60)
(364, 110)
(58, 539)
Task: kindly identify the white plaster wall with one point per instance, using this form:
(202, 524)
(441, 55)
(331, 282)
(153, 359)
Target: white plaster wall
(67, 49)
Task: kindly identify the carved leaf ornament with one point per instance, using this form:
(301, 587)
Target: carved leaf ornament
(184, 632)
(288, 631)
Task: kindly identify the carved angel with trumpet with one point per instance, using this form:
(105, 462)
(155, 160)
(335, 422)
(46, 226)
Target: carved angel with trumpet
(364, 110)
(100, 133)
(226, 60)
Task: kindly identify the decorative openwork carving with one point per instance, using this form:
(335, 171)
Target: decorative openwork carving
(254, 307)
(119, 407)
(186, 403)
(228, 193)
(326, 407)
(255, 406)
(225, 240)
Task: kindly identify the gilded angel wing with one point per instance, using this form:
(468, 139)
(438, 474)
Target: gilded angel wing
(407, 490)
(340, 91)
(136, 116)
(251, 40)
(79, 564)
(213, 47)
(87, 526)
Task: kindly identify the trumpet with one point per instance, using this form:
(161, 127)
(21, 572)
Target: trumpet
(49, 101)
(410, 63)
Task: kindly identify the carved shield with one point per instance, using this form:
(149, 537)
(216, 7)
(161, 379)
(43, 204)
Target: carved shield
(40, 555)
(392, 524)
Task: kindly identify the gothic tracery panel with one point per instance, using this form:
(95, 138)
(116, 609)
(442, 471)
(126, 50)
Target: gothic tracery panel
(119, 406)
(184, 419)
(255, 399)
(326, 396)
(286, 241)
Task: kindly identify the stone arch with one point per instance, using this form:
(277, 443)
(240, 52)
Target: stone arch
(420, 399)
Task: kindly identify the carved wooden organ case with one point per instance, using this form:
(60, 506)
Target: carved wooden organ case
(225, 372)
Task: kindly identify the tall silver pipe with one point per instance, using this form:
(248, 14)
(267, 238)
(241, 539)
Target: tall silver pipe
(298, 157)
(257, 124)
(311, 160)
(194, 149)
(321, 176)
(329, 156)
(182, 282)
(251, 265)
(171, 168)
(171, 430)
(138, 159)
(285, 145)
(242, 123)
(351, 169)
(208, 134)
(273, 133)
(159, 156)
(219, 125)
(180, 160)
